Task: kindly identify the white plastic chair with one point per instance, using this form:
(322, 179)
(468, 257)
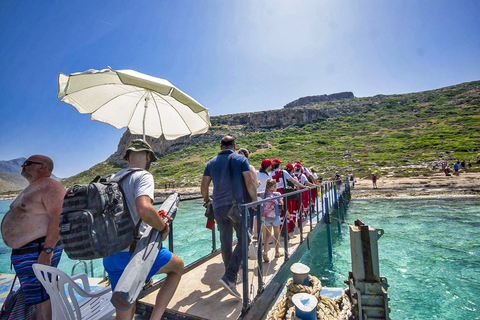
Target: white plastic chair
(94, 305)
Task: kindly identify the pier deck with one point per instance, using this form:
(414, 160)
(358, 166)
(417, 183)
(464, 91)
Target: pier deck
(200, 295)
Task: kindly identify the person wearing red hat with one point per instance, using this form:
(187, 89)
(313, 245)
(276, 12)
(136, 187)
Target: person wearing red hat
(302, 178)
(281, 177)
(263, 175)
(292, 201)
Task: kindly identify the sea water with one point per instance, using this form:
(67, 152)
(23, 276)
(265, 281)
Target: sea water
(192, 240)
(429, 253)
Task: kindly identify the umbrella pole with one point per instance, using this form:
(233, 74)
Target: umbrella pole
(145, 112)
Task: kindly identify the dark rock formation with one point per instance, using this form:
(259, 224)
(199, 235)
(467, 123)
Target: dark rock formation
(314, 99)
(240, 123)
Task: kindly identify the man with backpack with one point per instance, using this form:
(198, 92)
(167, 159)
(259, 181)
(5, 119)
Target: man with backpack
(138, 189)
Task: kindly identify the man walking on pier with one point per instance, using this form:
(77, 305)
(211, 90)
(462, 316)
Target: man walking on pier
(229, 169)
(138, 189)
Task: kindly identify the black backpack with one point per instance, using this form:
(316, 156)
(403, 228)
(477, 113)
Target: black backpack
(95, 220)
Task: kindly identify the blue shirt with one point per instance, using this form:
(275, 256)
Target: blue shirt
(219, 170)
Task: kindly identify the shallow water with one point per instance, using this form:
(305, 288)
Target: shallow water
(192, 240)
(429, 253)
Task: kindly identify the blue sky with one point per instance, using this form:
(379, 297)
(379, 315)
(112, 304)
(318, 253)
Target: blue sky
(231, 56)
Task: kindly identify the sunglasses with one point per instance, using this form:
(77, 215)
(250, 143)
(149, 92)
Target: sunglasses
(28, 163)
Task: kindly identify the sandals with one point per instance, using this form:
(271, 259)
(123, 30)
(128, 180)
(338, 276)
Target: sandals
(278, 254)
(265, 257)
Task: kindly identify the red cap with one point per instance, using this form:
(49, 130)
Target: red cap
(276, 161)
(266, 162)
(298, 165)
(298, 161)
(289, 166)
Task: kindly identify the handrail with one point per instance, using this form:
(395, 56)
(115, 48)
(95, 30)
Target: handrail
(325, 201)
(329, 186)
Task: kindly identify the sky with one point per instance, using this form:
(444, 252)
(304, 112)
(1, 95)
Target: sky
(231, 56)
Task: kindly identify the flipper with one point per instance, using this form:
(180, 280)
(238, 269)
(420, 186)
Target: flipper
(133, 277)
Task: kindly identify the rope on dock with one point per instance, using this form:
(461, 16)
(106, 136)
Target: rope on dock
(327, 308)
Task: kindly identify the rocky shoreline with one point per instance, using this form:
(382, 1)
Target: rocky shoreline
(467, 184)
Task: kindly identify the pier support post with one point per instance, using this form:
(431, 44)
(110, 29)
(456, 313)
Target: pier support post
(336, 205)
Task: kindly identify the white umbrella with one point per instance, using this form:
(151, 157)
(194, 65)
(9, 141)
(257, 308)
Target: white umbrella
(125, 98)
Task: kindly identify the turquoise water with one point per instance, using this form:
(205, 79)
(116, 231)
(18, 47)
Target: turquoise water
(191, 240)
(429, 253)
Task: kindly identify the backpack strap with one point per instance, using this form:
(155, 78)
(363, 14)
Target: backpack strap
(118, 180)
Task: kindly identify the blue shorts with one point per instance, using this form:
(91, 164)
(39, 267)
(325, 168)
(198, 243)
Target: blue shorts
(272, 221)
(115, 264)
(22, 259)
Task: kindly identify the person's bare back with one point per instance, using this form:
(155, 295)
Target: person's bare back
(28, 217)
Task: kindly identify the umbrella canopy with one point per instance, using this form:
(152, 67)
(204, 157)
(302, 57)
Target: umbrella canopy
(125, 98)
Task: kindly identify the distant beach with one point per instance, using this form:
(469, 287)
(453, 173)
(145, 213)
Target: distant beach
(467, 184)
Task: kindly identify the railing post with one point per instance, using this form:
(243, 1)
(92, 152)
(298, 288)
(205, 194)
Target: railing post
(327, 223)
(300, 217)
(317, 202)
(322, 194)
(245, 243)
(260, 248)
(336, 205)
(310, 207)
(285, 228)
(170, 238)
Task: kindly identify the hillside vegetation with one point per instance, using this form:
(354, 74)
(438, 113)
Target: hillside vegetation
(394, 135)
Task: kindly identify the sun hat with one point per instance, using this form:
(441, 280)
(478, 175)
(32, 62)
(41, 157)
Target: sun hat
(289, 166)
(276, 161)
(266, 162)
(140, 145)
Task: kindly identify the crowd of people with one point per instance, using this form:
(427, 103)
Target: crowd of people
(458, 165)
(31, 226)
(236, 180)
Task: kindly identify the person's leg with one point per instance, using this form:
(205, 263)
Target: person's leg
(267, 232)
(114, 266)
(174, 271)
(125, 315)
(276, 234)
(236, 260)
(44, 310)
(226, 233)
(35, 294)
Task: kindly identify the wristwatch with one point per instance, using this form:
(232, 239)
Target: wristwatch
(48, 250)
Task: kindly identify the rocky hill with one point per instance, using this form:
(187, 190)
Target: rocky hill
(251, 121)
(10, 178)
(394, 135)
(320, 98)
(12, 166)
(10, 175)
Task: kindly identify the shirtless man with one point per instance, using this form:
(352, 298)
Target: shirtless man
(31, 229)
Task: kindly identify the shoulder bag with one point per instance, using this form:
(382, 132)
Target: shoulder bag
(234, 214)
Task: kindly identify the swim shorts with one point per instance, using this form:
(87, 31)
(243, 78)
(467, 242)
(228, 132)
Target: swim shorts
(22, 259)
(116, 263)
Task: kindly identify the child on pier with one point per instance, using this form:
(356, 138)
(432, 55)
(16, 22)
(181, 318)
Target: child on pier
(271, 219)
